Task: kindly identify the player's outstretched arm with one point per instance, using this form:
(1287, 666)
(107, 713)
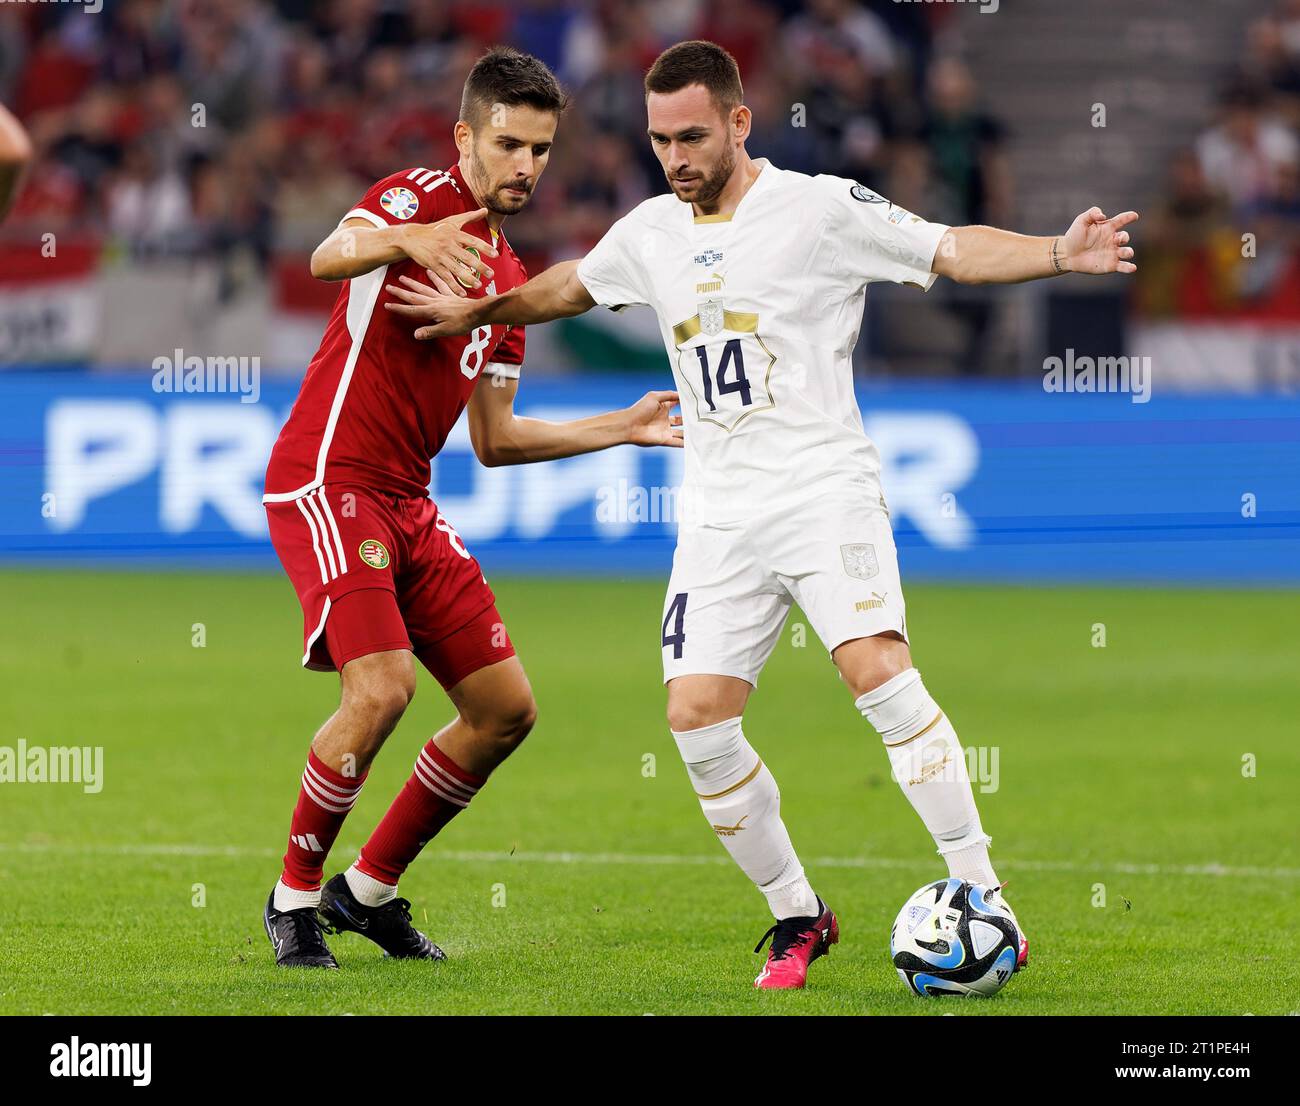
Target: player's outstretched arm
(15, 153)
(357, 247)
(555, 294)
(501, 437)
(987, 255)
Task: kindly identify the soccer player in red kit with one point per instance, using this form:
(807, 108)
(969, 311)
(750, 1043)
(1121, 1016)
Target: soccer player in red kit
(382, 575)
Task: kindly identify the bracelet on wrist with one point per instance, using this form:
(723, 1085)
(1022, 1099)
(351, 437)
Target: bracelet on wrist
(1057, 267)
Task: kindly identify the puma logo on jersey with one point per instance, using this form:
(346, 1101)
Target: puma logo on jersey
(713, 284)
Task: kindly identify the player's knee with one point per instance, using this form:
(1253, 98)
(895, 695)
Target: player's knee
(698, 701)
(868, 663)
(878, 675)
(691, 714)
(681, 717)
(393, 699)
(383, 705)
(510, 723)
(381, 696)
(518, 722)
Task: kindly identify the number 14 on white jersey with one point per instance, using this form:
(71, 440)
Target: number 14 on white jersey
(724, 364)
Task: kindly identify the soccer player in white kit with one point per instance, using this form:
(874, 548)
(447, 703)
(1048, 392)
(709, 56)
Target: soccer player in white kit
(758, 277)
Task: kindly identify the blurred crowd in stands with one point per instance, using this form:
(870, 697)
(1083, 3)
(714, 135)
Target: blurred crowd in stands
(245, 128)
(240, 130)
(1225, 238)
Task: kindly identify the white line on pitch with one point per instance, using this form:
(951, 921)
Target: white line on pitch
(670, 859)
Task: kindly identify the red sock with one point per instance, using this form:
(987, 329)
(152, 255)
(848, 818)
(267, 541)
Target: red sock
(323, 802)
(437, 791)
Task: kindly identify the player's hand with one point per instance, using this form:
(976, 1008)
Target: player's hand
(651, 421)
(437, 304)
(444, 249)
(1095, 244)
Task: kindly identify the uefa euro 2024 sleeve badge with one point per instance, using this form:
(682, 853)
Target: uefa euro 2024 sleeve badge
(400, 203)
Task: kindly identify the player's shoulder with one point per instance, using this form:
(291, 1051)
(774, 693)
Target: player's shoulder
(420, 194)
(836, 189)
(792, 194)
(418, 178)
(652, 213)
(787, 179)
(837, 198)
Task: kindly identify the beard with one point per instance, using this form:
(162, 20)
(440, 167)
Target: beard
(708, 186)
(495, 197)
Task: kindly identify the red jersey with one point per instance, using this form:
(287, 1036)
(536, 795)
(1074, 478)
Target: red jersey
(376, 405)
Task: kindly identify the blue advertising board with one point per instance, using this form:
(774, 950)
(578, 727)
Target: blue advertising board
(984, 482)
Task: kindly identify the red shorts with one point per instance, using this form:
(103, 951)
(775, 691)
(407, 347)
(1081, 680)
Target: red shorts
(375, 572)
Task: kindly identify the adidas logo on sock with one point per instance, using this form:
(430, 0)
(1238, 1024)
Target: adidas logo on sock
(307, 841)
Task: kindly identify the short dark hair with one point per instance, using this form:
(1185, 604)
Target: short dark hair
(697, 62)
(508, 76)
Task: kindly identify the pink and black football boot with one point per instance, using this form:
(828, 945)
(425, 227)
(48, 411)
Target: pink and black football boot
(796, 943)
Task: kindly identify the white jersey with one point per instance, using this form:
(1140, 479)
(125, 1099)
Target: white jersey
(759, 312)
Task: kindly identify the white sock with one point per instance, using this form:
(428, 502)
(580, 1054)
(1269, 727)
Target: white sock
(367, 890)
(287, 898)
(740, 799)
(972, 861)
(930, 766)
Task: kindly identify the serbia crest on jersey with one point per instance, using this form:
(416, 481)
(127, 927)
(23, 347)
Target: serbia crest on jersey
(376, 404)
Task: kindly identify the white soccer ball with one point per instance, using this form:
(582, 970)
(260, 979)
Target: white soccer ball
(950, 939)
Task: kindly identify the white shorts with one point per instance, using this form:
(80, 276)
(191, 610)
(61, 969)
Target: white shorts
(732, 586)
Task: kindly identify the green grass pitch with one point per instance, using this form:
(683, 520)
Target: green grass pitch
(584, 879)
